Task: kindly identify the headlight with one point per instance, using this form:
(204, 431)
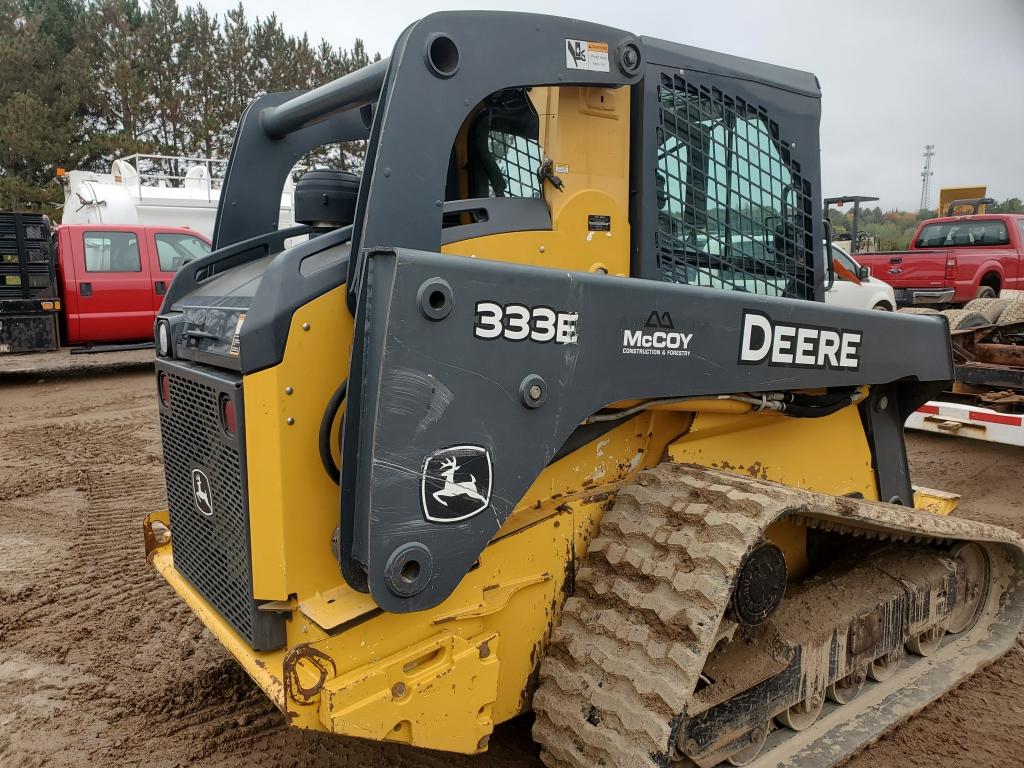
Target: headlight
(163, 339)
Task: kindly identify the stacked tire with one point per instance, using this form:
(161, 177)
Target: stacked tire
(965, 319)
(1014, 312)
(991, 308)
(978, 312)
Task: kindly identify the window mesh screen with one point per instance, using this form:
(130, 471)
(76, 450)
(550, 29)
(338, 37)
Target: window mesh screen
(733, 210)
(518, 159)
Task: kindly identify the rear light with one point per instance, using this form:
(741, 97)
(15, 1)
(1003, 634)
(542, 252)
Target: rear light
(228, 417)
(165, 389)
(950, 267)
(163, 338)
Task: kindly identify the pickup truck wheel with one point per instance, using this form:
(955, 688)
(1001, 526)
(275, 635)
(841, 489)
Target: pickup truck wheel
(1013, 313)
(962, 319)
(918, 311)
(990, 308)
(985, 292)
(882, 306)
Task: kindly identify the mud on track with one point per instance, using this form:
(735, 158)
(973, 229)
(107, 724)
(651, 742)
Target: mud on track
(101, 665)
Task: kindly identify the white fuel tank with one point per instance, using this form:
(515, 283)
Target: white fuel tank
(170, 191)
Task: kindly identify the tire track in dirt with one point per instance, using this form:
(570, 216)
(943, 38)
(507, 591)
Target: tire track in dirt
(77, 484)
(101, 664)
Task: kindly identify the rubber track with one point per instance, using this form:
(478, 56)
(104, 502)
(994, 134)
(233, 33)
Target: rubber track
(650, 595)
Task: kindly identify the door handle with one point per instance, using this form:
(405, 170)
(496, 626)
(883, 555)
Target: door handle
(160, 287)
(896, 260)
(829, 261)
(85, 289)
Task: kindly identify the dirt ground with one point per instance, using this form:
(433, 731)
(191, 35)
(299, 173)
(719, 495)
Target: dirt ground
(101, 665)
(64, 362)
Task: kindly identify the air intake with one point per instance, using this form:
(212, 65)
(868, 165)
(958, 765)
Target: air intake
(326, 198)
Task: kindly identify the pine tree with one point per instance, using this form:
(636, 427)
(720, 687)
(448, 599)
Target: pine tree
(87, 81)
(122, 121)
(200, 40)
(43, 95)
(159, 43)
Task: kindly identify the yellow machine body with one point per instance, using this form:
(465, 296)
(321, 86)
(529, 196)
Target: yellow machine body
(443, 678)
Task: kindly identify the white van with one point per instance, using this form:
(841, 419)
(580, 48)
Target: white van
(869, 293)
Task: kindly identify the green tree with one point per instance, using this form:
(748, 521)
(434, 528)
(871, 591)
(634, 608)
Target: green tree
(199, 45)
(44, 96)
(1009, 205)
(87, 81)
(237, 61)
(159, 43)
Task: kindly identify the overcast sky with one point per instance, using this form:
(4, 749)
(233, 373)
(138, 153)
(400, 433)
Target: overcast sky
(896, 74)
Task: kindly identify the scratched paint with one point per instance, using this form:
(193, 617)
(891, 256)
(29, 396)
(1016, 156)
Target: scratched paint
(410, 392)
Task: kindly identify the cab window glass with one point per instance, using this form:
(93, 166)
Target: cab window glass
(733, 211)
(839, 255)
(175, 250)
(112, 252)
(501, 153)
(965, 232)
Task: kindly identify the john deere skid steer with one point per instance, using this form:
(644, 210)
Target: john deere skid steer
(544, 410)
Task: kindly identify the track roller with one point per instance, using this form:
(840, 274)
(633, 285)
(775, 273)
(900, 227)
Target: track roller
(884, 667)
(746, 756)
(845, 690)
(802, 715)
(972, 559)
(926, 643)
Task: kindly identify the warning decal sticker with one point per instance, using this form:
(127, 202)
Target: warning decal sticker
(584, 54)
(236, 347)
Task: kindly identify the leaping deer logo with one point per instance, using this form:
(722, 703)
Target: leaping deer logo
(451, 488)
(201, 491)
(456, 483)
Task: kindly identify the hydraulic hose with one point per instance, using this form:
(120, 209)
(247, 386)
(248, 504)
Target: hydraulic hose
(324, 441)
(794, 404)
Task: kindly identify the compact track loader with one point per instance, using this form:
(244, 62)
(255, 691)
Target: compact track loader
(544, 410)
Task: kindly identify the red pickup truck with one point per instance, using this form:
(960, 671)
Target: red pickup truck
(954, 259)
(113, 278)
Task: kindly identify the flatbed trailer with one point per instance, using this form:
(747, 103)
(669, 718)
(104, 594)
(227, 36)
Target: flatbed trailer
(968, 421)
(29, 299)
(986, 401)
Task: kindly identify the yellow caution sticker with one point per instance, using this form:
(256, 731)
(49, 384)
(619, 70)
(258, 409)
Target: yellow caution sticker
(586, 54)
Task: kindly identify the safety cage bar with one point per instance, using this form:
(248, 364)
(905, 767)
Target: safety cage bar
(452, 62)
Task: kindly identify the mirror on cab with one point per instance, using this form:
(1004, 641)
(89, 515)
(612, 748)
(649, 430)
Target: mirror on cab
(863, 273)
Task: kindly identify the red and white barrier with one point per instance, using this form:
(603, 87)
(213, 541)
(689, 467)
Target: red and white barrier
(968, 421)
